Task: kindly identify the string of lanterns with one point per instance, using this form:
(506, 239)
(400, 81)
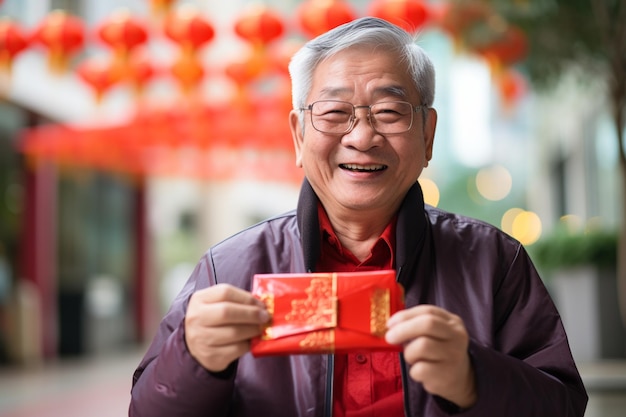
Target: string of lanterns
(160, 142)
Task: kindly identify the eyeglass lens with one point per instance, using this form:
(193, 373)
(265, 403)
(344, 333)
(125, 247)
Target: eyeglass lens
(337, 117)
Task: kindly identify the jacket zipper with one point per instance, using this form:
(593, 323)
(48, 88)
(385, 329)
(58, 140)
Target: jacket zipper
(405, 386)
(330, 371)
(405, 380)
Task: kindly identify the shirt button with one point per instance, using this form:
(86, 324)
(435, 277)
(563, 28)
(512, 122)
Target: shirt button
(360, 358)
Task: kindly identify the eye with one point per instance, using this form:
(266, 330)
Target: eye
(397, 108)
(390, 112)
(333, 110)
(387, 111)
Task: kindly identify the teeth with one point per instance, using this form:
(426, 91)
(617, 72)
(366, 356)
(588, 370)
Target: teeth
(355, 167)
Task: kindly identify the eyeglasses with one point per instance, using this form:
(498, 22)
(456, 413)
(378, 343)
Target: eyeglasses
(339, 117)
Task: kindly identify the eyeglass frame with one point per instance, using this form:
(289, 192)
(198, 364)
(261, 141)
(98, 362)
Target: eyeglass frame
(415, 109)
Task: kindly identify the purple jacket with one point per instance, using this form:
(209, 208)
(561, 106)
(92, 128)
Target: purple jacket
(519, 349)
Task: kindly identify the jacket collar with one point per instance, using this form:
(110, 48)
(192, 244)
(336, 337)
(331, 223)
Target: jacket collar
(410, 227)
(308, 224)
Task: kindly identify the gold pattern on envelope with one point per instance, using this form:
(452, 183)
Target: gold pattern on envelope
(379, 311)
(268, 300)
(323, 340)
(319, 308)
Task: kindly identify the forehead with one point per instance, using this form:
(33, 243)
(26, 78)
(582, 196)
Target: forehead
(363, 70)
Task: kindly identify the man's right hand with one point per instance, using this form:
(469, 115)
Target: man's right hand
(219, 324)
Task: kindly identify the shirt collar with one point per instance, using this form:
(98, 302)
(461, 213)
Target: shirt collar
(382, 252)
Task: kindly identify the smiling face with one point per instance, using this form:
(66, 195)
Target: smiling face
(363, 171)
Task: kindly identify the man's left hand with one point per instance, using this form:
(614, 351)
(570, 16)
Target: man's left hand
(435, 348)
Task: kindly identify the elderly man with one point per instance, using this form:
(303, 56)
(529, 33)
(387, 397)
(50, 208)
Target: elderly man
(479, 335)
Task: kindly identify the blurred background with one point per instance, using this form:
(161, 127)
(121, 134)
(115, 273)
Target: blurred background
(134, 134)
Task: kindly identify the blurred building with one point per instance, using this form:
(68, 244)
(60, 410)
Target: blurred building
(95, 255)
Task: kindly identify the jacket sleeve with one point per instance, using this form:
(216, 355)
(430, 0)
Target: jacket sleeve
(527, 368)
(169, 381)
(508, 386)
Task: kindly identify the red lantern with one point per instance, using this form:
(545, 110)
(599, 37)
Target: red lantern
(63, 35)
(188, 71)
(244, 71)
(186, 27)
(319, 16)
(509, 47)
(139, 71)
(408, 14)
(512, 86)
(259, 25)
(12, 42)
(123, 33)
(99, 75)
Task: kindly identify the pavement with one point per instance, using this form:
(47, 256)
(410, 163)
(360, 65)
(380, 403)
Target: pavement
(100, 387)
(606, 385)
(94, 387)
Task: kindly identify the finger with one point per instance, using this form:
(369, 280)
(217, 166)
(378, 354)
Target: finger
(418, 310)
(227, 335)
(454, 381)
(227, 313)
(424, 325)
(425, 372)
(428, 349)
(226, 292)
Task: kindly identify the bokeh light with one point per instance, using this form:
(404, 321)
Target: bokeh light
(430, 190)
(494, 183)
(526, 227)
(508, 218)
(523, 225)
(571, 222)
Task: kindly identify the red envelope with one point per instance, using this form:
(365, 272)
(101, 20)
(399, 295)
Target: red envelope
(327, 312)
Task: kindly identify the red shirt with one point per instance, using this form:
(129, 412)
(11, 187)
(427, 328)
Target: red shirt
(367, 384)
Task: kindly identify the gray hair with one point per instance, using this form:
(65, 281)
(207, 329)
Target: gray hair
(369, 31)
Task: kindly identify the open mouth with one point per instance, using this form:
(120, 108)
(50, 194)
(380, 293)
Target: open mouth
(363, 168)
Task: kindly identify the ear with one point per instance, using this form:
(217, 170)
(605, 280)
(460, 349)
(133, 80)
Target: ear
(429, 134)
(297, 135)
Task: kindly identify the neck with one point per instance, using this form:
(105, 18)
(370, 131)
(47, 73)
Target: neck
(359, 233)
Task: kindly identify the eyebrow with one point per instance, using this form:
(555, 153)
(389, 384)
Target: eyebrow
(391, 90)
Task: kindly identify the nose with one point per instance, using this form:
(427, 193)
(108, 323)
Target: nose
(362, 136)
(366, 111)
